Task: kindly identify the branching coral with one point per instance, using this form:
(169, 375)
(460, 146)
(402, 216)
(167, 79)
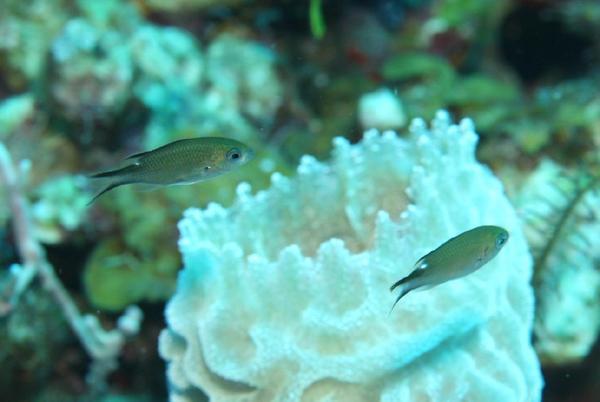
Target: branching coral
(284, 296)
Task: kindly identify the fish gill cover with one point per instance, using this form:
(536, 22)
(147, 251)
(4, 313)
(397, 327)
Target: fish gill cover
(284, 296)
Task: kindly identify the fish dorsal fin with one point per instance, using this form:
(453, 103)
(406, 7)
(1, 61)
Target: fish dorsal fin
(169, 145)
(138, 155)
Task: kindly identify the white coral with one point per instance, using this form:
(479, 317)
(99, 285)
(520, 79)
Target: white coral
(284, 296)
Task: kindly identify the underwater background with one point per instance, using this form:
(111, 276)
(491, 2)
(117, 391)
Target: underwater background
(379, 128)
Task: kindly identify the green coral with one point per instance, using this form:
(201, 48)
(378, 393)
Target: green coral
(418, 65)
(461, 13)
(115, 277)
(566, 112)
(489, 99)
(427, 82)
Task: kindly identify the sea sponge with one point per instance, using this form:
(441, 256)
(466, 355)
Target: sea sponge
(285, 295)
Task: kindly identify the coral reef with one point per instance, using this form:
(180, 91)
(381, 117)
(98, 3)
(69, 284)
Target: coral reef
(94, 63)
(26, 31)
(102, 346)
(143, 263)
(13, 112)
(562, 223)
(84, 84)
(284, 296)
(110, 65)
(23, 349)
(60, 208)
(254, 91)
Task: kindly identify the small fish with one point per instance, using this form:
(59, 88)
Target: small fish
(457, 257)
(180, 162)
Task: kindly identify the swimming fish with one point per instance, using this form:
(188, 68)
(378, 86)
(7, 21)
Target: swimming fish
(457, 257)
(180, 162)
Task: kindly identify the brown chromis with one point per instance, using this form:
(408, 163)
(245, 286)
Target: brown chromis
(180, 162)
(457, 257)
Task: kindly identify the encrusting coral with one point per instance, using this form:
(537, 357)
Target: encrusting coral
(284, 296)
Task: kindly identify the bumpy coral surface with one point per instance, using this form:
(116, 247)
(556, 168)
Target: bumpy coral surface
(284, 296)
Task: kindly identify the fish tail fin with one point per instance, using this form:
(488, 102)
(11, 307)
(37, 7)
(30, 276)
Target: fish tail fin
(404, 286)
(399, 283)
(107, 188)
(120, 176)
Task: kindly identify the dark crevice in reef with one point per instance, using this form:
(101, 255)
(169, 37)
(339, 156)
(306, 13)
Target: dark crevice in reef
(561, 383)
(68, 261)
(537, 43)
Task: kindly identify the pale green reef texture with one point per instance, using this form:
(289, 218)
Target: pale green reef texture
(106, 61)
(279, 290)
(61, 207)
(284, 296)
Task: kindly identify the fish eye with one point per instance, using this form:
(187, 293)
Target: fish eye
(501, 239)
(233, 154)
